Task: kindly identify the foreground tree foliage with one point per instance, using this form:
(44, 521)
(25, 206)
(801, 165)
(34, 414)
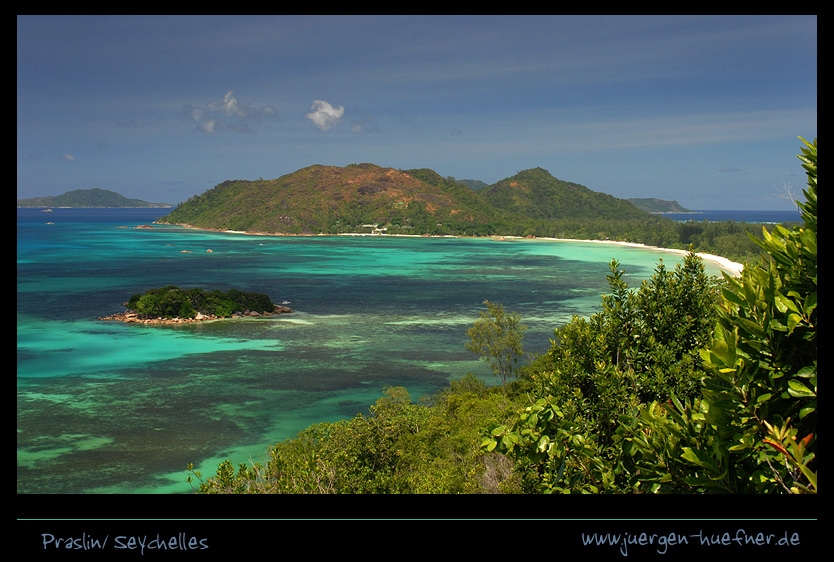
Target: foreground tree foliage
(642, 346)
(754, 429)
(751, 428)
(399, 447)
(497, 338)
(685, 384)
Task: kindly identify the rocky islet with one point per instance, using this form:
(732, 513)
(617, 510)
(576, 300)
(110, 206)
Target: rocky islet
(129, 316)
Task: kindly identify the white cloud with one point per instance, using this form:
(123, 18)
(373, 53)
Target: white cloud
(229, 105)
(324, 116)
(229, 115)
(207, 125)
(68, 157)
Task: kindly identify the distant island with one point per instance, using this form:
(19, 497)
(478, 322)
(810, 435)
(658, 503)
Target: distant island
(87, 198)
(653, 205)
(173, 305)
(371, 199)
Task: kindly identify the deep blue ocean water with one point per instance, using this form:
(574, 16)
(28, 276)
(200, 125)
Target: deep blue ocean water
(105, 407)
(739, 216)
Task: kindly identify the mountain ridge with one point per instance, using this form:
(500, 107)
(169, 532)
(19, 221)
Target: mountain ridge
(365, 197)
(535, 193)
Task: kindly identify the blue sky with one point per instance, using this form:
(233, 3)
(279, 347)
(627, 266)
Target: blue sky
(702, 109)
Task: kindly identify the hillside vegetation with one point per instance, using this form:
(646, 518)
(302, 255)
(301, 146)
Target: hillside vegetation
(538, 195)
(331, 200)
(366, 198)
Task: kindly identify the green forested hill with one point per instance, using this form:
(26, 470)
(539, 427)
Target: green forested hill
(330, 199)
(654, 205)
(87, 198)
(366, 198)
(537, 194)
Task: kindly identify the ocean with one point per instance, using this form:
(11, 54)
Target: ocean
(738, 216)
(105, 407)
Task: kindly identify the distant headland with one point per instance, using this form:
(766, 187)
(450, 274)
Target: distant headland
(88, 198)
(654, 205)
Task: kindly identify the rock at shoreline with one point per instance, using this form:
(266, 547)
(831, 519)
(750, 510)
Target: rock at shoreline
(132, 316)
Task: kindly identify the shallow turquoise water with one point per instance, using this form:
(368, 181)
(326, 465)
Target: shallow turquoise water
(106, 407)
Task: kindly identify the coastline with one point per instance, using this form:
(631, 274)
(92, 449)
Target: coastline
(130, 316)
(734, 269)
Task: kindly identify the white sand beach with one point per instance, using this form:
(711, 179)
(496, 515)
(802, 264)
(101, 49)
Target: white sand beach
(731, 267)
(734, 269)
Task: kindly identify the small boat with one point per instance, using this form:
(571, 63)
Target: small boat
(286, 302)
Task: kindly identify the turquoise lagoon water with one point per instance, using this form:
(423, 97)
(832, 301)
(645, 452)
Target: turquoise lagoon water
(104, 407)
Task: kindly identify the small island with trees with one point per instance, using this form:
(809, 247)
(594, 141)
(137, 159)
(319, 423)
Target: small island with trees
(173, 305)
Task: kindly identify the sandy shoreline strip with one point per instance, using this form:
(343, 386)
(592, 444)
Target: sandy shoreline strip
(731, 267)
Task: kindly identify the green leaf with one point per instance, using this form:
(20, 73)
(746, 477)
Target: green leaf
(732, 297)
(677, 402)
(810, 303)
(783, 303)
(763, 398)
(805, 411)
(721, 353)
(807, 371)
(799, 390)
(751, 327)
(811, 476)
(777, 325)
(499, 430)
(695, 457)
(793, 322)
(714, 414)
